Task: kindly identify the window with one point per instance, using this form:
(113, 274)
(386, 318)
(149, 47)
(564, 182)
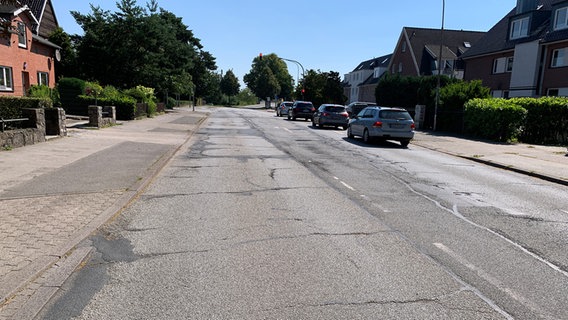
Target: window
(6, 79)
(552, 93)
(502, 65)
(561, 19)
(404, 46)
(400, 67)
(519, 28)
(22, 36)
(43, 78)
(558, 58)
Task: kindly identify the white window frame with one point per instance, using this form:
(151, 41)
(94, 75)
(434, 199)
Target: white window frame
(561, 18)
(559, 58)
(43, 78)
(22, 35)
(503, 65)
(519, 28)
(6, 79)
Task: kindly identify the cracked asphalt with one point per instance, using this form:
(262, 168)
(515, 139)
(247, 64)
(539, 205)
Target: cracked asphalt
(236, 228)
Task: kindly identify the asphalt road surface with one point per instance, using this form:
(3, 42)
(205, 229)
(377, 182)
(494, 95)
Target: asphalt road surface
(265, 218)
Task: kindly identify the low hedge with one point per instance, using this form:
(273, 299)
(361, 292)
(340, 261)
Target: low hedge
(11, 107)
(546, 121)
(125, 105)
(495, 119)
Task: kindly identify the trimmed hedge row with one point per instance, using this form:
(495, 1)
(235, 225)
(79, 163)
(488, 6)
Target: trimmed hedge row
(531, 120)
(11, 107)
(547, 120)
(125, 105)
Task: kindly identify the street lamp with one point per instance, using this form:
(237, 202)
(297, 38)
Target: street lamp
(303, 72)
(439, 66)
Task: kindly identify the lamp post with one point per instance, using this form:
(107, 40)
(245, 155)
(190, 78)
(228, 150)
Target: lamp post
(439, 66)
(303, 72)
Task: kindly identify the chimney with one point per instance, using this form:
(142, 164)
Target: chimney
(524, 6)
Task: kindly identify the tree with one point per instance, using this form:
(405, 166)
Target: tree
(142, 46)
(269, 77)
(321, 87)
(230, 85)
(68, 66)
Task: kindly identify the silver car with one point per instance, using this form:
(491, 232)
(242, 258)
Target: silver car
(282, 108)
(380, 123)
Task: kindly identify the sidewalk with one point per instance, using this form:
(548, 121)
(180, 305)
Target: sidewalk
(54, 194)
(545, 162)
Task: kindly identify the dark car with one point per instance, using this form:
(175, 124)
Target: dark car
(282, 108)
(301, 109)
(331, 115)
(354, 108)
(382, 124)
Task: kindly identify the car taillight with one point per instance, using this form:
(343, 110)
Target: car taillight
(345, 114)
(413, 126)
(325, 114)
(378, 124)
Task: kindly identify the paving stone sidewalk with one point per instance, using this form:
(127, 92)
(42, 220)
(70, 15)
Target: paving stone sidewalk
(54, 194)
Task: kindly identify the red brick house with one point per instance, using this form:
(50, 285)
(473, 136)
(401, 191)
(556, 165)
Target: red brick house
(526, 53)
(26, 56)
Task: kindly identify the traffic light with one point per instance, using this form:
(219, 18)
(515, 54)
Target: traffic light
(260, 56)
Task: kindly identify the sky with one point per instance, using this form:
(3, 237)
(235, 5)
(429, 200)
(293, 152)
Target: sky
(325, 35)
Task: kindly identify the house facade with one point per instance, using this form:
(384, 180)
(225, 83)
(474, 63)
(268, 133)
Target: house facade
(418, 49)
(26, 56)
(360, 84)
(526, 53)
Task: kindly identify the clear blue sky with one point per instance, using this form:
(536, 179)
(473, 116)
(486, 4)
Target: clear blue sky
(328, 35)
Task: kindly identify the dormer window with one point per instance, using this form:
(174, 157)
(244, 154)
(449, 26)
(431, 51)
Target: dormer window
(519, 28)
(561, 19)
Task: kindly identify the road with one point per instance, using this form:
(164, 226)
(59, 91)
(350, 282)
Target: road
(264, 218)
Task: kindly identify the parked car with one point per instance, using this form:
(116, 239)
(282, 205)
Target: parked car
(282, 108)
(354, 108)
(382, 124)
(301, 109)
(331, 115)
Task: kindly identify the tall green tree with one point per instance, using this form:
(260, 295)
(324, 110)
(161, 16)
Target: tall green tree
(68, 65)
(269, 77)
(230, 85)
(142, 46)
(321, 87)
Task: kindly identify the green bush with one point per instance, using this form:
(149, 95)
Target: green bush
(125, 105)
(547, 120)
(11, 107)
(45, 92)
(495, 119)
(69, 90)
(453, 98)
(144, 95)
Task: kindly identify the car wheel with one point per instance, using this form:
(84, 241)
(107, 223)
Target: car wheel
(366, 137)
(349, 133)
(404, 143)
(345, 127)
(288, 116)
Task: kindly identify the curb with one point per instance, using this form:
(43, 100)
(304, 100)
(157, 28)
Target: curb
(68, 257)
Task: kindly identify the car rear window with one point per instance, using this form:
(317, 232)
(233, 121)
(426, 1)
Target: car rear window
(395, 115)
(335, 109)
(309, 105)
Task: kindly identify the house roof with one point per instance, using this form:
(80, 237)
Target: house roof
(455, 41)
(497, 38)
(381, 62)
(36, 7)
(374, 63)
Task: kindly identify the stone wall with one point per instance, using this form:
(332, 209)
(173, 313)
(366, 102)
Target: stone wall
(33, 133)
(101, 117)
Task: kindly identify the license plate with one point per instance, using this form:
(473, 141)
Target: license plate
(396, 126)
